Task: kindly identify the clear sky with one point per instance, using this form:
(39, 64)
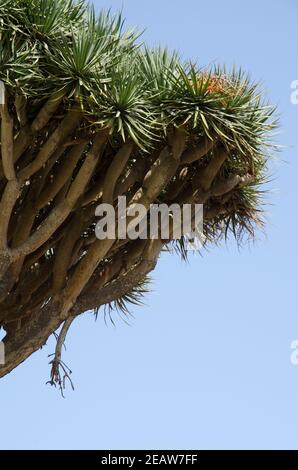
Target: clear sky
(206, 363)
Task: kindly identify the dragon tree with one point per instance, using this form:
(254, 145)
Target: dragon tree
(89, 113)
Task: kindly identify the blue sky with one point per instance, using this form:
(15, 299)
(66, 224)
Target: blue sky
(206, 363)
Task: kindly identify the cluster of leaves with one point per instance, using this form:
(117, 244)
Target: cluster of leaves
(62, 51)
(123, 304)
(50, 46)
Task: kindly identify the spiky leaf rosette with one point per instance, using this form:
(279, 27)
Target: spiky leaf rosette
(90, 115)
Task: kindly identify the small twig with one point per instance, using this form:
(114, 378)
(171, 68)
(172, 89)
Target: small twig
(59, 370)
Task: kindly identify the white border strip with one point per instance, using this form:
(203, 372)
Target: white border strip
(2, 353)
(2, 93)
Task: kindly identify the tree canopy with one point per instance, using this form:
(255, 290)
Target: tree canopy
(91, 113)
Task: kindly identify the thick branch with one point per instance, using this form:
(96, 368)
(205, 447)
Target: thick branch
(114, 171)
(195, 154)
(66, 127)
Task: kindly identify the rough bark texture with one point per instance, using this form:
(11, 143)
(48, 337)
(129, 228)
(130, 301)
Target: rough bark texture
(55, 170)
(89, 115)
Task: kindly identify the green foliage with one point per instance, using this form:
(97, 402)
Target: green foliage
(48, 46)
